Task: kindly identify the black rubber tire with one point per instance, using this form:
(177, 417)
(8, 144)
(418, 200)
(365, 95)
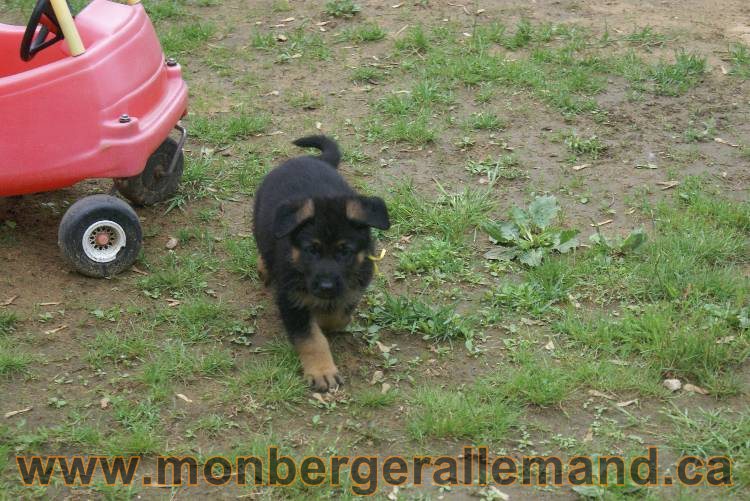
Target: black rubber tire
(154, 184)
(87, 211)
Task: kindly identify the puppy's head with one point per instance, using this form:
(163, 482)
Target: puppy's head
(330, 239)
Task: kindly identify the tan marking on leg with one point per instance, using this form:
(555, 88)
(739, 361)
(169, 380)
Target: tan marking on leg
(333, 321)
(295, 255)
(361, 257)
(317, 361)
(263, 271)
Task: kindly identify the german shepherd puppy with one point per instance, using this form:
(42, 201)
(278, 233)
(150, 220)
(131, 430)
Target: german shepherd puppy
(313, 234)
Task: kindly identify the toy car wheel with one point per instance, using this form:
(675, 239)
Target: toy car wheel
(100, 236)
(157, 182)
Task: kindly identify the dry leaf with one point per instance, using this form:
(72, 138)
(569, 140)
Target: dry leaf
(15, 413)
(318, 125)
(54, 303)
(56, 330)
(695, 389)
(104, 402)
(726, 339)
(602, 223)
(626, 403)
(382, 347)
(393, 495)
(322, 23)
(319, 398)
(672, 384)
(589, 435)
(183, 397)
(173, 302)
(595, 393)
(668, 184)
(385, 388)
(724, 71)
(377, 377)
(549, 346)
(9, 301)
(281, 38)
(724, 141)
(396, 6)
(171, 243)
(287, 20)
(581, 167)
(139, 271)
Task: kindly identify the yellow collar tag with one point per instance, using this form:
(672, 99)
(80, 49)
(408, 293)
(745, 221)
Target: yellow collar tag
(375, 260)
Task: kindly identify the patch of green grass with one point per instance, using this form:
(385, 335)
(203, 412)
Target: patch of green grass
(304, 46)
(706, 132)
(197, 319)
(178, 276)
(718, 432)
(226, 128)
(306, 100)
(414, 39)
(121, 346)
(663, 78)
(403, 129)
(367, 74)
(739, 56)
(13, 362)
(590, 147)
(243, 257)
(8, 322)
(273, 377)
(646, 37)
(450, 216)
(212, 425)
(461, 413)
(434, 256)
(177, 361)
(160, 10)
(264, 41)
(438, 323)
(365, 32)
(537, 380)
(486, 121)
(181, 39)
(341, 8)
(373, 398)
(506, 167)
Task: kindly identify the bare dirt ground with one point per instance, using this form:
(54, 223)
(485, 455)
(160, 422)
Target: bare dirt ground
(62, 320)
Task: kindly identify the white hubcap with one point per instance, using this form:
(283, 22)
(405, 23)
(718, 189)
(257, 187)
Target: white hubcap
(103, 240)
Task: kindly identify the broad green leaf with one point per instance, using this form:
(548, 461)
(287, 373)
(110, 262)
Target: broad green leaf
(519, 216)
(633, 241)
(532, 258)
(502, 254)
(566, 240)
(543, 210)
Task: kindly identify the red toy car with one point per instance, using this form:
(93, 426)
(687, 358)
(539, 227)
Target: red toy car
(91, 97)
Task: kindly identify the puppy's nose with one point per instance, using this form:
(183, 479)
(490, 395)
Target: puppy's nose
(326, 285)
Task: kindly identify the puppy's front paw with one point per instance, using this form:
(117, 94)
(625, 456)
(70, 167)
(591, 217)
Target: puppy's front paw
(324, 378)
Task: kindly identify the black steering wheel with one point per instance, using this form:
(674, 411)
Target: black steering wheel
(43, 15)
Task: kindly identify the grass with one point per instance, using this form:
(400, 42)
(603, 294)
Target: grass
(243, 257)
(365, 32)
(226, 128)
(464, 413)
(272, 378)
(341, 8)
(13, 362)
(739, 56)
(504, 167)
(433, 255)
(486, 121)
(8, 322)
(449, 216)
(589, 147)
(182, 39)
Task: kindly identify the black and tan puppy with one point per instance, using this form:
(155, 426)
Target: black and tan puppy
(313, 233)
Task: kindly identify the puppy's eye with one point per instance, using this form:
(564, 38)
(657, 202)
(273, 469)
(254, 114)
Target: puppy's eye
(345, 250)
(313, 249)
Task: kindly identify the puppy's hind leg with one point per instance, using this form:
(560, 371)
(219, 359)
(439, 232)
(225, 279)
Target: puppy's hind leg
(311, 346)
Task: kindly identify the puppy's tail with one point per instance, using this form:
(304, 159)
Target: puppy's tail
(329, 150)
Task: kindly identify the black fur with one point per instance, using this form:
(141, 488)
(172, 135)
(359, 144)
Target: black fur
(313, 248)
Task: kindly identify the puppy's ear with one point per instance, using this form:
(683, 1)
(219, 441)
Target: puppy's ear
(370, 211)
(292, 214)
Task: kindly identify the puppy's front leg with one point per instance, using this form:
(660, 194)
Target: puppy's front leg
(311, 345)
